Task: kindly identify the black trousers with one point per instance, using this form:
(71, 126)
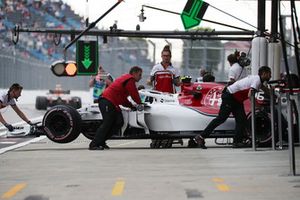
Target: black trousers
(111, 124)
(229, 105)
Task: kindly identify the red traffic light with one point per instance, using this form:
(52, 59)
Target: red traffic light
(64, 68)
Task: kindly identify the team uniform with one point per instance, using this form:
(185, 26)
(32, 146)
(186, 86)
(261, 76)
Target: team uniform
(237, 72)
(100, 85)
(5, 100)
(241, 89)
(163, 78)
(110, 100)
(232, 102)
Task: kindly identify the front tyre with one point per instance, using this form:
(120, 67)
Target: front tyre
(62, 124)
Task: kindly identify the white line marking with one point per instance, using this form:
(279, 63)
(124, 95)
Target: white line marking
(21, 144)
(124, 144)
(8, 142)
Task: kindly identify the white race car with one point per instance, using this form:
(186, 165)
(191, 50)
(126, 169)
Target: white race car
(164, 118)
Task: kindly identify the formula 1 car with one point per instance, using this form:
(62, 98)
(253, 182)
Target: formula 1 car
(165, 118)
(26, 130)
(57, 97)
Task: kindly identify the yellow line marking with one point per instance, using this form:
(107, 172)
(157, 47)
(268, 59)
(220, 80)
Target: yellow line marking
(223, 187)
(118, 188)
(218, 180)
(220, 184)
(13, 191)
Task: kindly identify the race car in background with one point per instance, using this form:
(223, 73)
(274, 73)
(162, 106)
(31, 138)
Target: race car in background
(58, 96)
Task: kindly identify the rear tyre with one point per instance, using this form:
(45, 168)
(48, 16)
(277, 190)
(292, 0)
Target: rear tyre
(62, 124)
(89, 129)
(41, 103)
(89, 135)
(263, 128)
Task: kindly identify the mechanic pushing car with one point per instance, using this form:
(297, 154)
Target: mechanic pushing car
(10, 98)
(110, 100)
(164, 76)
(233, 97)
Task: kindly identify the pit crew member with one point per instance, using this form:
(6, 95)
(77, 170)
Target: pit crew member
(115, 95)
(164, 76)
(236, 71)
(202, 72)
(232, 102)
(10, 98)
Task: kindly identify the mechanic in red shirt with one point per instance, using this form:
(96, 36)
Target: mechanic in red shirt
(232, 102)
(112, 97)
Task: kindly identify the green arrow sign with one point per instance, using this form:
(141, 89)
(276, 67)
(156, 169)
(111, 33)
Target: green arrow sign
(86, 57)
(86, 62)
(193, 12)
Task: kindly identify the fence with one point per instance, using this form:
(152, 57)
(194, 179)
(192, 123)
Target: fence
(32, 74)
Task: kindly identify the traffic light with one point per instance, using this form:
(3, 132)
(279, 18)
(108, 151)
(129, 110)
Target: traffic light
(64, 68)
(86, 57)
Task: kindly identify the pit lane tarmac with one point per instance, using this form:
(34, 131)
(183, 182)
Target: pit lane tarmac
(45, 170)
(38, 169)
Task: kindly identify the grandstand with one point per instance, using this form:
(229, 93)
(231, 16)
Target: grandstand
(36, 51)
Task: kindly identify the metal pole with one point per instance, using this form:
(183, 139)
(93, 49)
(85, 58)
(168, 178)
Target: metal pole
(92, 25)
(154, 51)
(291, 136)
(298, 108)
(134, 33)
(204, 60)
(279, 121)
(234, 16)
(272, 107)
(87, 13)
(223, 62)
(261, 16)
(274, 20)
(253, 119)
(210, 21)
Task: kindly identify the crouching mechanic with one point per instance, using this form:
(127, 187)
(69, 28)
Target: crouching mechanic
(110, 100)
(10, 98)
(232, 102)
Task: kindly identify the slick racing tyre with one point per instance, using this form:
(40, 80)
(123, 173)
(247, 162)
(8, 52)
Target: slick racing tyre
(262, 129)
(62, 124)
(76, 102)
(41, 103)
(88, 129)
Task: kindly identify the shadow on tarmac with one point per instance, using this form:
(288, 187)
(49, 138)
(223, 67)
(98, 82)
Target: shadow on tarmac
(112, 148)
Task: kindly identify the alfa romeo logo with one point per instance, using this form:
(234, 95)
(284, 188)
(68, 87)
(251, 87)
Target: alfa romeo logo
(213, 97)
